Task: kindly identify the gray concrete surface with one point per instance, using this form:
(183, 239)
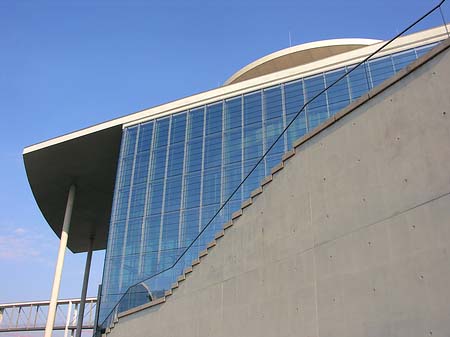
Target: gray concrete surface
(350, 239)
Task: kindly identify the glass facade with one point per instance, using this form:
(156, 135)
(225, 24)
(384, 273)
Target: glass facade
(175, 172)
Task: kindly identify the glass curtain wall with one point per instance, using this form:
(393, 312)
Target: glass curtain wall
(175, 172)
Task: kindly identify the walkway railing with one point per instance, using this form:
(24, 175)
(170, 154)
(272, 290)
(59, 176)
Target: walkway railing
(32, 316)
(344, 87)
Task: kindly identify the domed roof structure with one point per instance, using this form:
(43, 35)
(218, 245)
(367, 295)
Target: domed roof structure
(296, 56)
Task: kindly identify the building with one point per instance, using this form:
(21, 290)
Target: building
(173, 173)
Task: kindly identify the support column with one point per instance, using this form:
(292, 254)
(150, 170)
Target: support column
(87, 269)
(68, 319)
(60, 263)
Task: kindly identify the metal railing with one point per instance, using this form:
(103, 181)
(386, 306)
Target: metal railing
(154, 287)
(32, 316)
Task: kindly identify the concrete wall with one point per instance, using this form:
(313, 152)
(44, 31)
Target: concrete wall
(351, 238)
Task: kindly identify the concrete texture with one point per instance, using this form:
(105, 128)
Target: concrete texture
(350, 238)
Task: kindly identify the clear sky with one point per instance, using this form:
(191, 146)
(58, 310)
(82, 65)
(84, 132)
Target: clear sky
(65, 65)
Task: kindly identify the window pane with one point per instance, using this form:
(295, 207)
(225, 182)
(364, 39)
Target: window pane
(145, 136)
(273, 103)
(273, 129)
(253, 146)
(195, 128)
(178, 128)
(380, 70)
(156, 193)
(233, 113)
(192, 190)
(214, 118)
(211, 186)
(401, 60)
(233, 146)
(159, 163)
(176, 159)
(141, 167)
(194, 155)
(190, 226)
(137, 202)
(162, 132)
(173, 194)
(130, 140)
(252, 108)
(213, 150)
(338, 94)
(293, 97)
(358, 79)
(317, 110)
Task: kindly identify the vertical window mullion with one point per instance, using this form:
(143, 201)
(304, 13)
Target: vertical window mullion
(147, 196)
(164, 190)
(202, 171)
(183, 181)
(128, 209)
(283, 116)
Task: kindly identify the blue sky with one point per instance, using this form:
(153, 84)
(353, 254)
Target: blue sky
(69, 64)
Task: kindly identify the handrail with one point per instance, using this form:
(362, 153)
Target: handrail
(297, 114)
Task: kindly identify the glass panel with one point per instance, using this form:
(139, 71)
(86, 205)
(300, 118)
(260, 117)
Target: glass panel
(126, 171)
(192, 190)
(137, 201)
(191, 218)
(231, 179)
(130, 141)
(338, 94)
(254, 179)
(195, 128)
(156, 195)
(178, 128)
(253, 146)
(273, 129)
(293, 96)
(252, 108)
(233, 146)
(211, 186)
(423, 50)
(401, 60)
(214, 118)
(151, 243)
(213, 150)
(122, 204)
(169, 242)
(317, 109)
(162, 132)
(358, 80)
(273, 103)
(145, 136)
(380, 70)
(176, 160)
(233, 113)
(141, 167)
(194, 155)
(159, 163)
(173, 194)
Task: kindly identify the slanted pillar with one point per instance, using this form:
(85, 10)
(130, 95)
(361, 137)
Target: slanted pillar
(60, 263)
(84, 288)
